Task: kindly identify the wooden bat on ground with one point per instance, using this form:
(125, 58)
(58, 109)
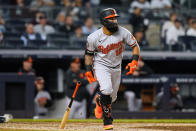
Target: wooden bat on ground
(66, 115)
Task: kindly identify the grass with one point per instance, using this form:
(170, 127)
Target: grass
(115, 120)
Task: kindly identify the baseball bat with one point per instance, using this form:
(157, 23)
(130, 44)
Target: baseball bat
(66, 115)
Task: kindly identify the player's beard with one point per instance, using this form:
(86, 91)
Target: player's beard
(112, 27)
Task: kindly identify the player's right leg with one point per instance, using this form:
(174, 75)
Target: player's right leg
(104, 79)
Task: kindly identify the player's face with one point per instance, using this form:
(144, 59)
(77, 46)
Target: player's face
(113, 19)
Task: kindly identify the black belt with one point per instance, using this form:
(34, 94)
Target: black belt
(113, 67)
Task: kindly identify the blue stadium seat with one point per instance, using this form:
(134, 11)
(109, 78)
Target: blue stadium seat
(59, 43)
(12, 35)
(37, 44)
(15, 25)
(53, 36)
(188, 41)
(78, 44)
(13, 43)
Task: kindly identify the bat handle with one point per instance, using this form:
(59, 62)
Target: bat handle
(76, 89)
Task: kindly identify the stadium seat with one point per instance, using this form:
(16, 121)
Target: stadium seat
(188, 41)
(13, 43)
(15, 22)
(15, 25)
(59, 43)
(12, 35)
(20, 29)
(37, 44)
(53, 36)
(78, 44)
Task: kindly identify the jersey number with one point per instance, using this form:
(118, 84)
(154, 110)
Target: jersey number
(119, 51)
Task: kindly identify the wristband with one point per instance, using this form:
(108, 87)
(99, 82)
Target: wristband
(89, 67)
(135, 57)
(88, 52)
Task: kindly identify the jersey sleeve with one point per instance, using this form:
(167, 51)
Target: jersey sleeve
(129, 39)
(90, 45)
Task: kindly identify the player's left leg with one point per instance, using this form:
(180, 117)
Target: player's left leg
(107, 106)
(116, 77)
(106, 100)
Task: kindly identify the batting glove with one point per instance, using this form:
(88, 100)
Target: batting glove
(132, 67)
(90, 77)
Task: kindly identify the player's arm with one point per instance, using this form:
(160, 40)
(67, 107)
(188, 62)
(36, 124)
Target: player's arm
(136, 50)
(88, 60)
(135, 54)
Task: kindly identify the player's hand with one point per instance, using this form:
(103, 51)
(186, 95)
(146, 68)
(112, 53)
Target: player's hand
(90, 77)
(132, 67)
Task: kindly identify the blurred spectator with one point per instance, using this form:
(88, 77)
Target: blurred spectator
(77, 36)
(27, 67)
(137, 21)
(2, 23)
(142, 4)
(37, 17)
(192, 30)
(160, 4)
(132, 94)
(88, 28)
(60, 21)
(94, 2)
(1, 38)
(42, 5)
(141, 40)
(172, 35)
(79, 11)
(43, 29)
(67, 7)
(77, 33)
(167, 25)
(20, 11)
(175, 101)
(72, 75)
(189, 23)
(42, 99)
(68, 28)
(77, 3)
(29, 34)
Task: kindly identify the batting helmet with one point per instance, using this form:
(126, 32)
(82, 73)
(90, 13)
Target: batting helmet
(105, 15)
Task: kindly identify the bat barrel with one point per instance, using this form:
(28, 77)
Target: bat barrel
(66, 115)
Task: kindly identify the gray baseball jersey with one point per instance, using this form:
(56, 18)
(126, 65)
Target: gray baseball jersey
(109, 48)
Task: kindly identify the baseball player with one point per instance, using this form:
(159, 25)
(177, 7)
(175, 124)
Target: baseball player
(103, 56)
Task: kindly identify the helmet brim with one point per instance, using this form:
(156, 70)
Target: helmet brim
(110, 16)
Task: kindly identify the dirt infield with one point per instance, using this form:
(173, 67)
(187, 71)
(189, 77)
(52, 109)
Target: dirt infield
(81, 126)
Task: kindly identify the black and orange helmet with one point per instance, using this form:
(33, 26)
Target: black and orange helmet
(107, 13)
